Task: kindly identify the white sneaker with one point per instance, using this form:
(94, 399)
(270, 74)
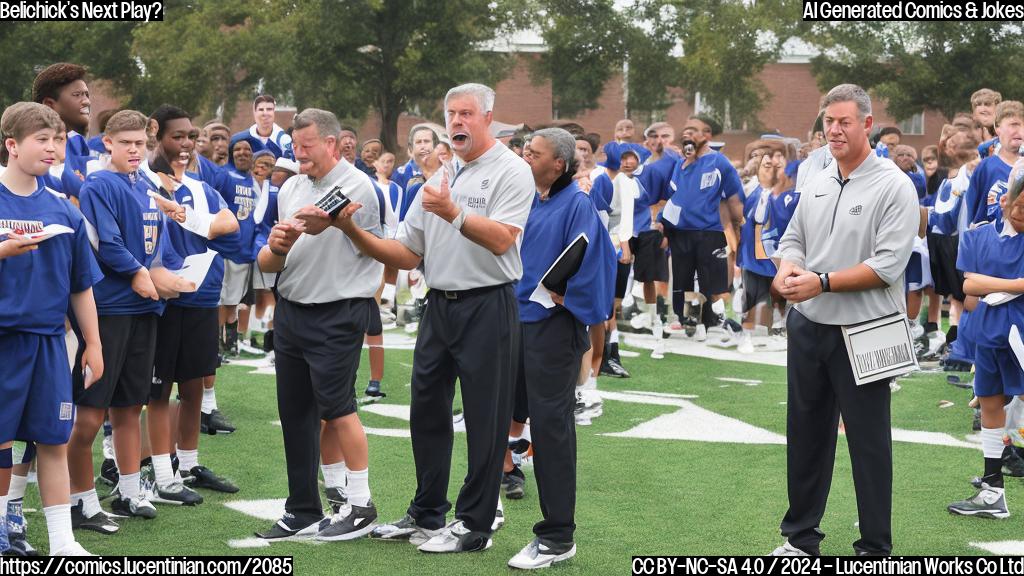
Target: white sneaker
(641, 321)
(539, 555)
(499, 517)
(746, 344)
(776, 343)
(245, 347)
(72, 549)
(459, 422)
(788, 549)
(412, 327)
(659, 349)
(916, 330)
(108, 447)
(457, 538)
(701, 334)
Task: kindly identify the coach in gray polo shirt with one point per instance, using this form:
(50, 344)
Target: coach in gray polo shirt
(465, 226)
(326, 289)
(843, 259)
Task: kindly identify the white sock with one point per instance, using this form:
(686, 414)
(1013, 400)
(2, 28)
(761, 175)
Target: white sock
(388, 293)
(992, 442)
(335, 475)
(3, 506)
(187, 459)
(209, 401)
(613, 338)
(591, 383)
(163, 470)
(58, 526)
(90, 502)
(358, 487)
(17, 490)
(128, 485)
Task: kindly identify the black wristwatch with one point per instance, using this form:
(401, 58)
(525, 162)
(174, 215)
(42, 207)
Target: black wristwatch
(825, 287)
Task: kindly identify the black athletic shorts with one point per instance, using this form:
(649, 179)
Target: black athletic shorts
(187, 346)
(129, 343)
(650, 260)
(621, 279)
(703, 252)
(317, 348)
(376, 327)
(942, 252)
(756, 289)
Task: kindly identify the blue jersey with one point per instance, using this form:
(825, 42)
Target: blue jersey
(279, 142)
(96, 145)
(641, 208)
(984, 250)
(601, 192)
(268, 220)
(947, 216)
(696, 190)
(552, 226)
(767, 217)
(920, 184)
(655, 176)
(988, 147)
(239, 192)
(35, 288)
(207, 171)
(179, 243)
(79, 146)
(404, 173)
(988, 184)
(124, 227)
(412, 188)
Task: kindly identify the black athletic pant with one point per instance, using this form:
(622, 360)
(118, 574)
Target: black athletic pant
(317, 350)
(474, 336)
(552, 351)
(700, 252)
(821, 386)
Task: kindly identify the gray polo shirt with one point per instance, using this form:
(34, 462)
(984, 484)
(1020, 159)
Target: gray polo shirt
(872, 219)
(498, 185)
(328, 267)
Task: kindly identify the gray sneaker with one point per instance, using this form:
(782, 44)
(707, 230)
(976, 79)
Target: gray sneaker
(456, 537)
(541, 554)
(336, 498)
(350, 523)
(788, 549)
(404, 530)
(987, 502)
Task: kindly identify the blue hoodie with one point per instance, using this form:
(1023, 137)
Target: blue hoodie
(240, 193)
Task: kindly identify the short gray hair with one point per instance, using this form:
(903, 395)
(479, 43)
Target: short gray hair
(849, 93)
(484, 95)
(563, 142)
(326, 122)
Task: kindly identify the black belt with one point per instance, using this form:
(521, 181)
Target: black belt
(461, 294)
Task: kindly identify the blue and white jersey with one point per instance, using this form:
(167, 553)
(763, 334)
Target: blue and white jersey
(696, 190)
(985, 250)
(988, 184)
(946, 216)
(279, 142)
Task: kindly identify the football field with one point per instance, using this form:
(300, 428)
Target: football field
(687, 459)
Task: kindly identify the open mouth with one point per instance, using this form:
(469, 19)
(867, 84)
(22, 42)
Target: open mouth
(85, 110)
(460, 138)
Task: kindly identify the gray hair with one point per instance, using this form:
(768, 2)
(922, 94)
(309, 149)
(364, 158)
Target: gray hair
(563, 142)
(326, 122)
(484, 95)
(849, 93)
(419, 127)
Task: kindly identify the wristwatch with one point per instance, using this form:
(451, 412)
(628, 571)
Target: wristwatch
(825, 287)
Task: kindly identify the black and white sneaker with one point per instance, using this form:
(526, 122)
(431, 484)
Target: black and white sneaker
(988, 502)
(100, 522)
(336, 498)
(108, 472)
(203, 477)
(541, 554)
(137, 507)
(17, 542)
(403, 530)
(350, 523)
(514, 483)
(174, 493)
(456, 537)
(788, 549)
(287, 528)
(215, 423)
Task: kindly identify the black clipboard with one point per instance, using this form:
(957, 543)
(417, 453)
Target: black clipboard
(568, 263)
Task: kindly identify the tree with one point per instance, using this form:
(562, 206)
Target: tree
(920, 65)
(391, 56)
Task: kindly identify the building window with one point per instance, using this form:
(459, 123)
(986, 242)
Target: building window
(913, 126)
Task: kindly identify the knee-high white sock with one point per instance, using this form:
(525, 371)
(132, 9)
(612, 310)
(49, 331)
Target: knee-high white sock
(17, 490)
(58, 526)
(992, 442)
(209, 401)
(359, 487)
(128, 485)
(335, 475)
(163, 469)
(188, 459)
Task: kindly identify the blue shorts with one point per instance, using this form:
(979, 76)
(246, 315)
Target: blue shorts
(35, 389)
(997, 372)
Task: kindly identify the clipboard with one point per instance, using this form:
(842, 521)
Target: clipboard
(880, 349)
(568, 263)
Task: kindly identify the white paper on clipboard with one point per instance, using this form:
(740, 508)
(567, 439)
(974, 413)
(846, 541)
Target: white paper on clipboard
(880, 349)
(196, 267)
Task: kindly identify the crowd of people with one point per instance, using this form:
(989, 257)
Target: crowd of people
(159, 250)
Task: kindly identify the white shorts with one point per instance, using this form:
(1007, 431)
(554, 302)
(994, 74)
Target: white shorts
(236, 283)
(262, 280)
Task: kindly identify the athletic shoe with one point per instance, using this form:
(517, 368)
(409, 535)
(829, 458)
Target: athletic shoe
(1013, 464)
(674, 328)
(514, 483)
(101, 522)
(641, 321)
(72, 549)
(455, 537)
(108, 473)
(215, 423)
(459, 422)
(250, 349)
(499, 517)
(286, 529)
(137, 507)
(776, 343)
(612, 367)
(987, 502)
(108, 447)
(542, 554)
(174, 493)
(350, 523)
(203, 477)
(659, 349)
(746, 344)
(336, 498)
(405, 529)
(788, 549)
(700, 333)
(936, 345)
(15, 522)
(373, 389)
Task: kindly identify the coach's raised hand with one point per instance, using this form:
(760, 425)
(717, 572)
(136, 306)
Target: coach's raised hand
(344, 221)
(439, 200)
(283, 236)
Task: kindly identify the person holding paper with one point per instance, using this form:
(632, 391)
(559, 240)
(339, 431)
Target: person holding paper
(842, 263)
(40, 280)
(554, 333)
(186, 335)
(992, 266)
